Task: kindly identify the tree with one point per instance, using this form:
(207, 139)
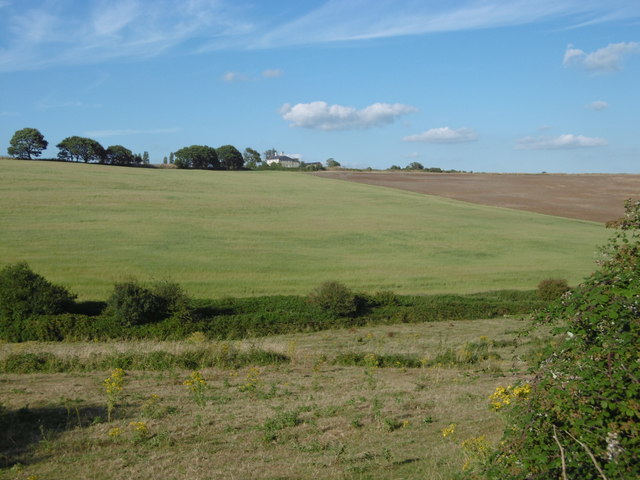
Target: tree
(415, 166)
(119, 155)
(171, 158)
(145, 158)
(164, 160)
(251, 157)
(580, 417)
(197, 156)
(331, 163)
(394, 167)
(80, 148)
(230, 158)
(26, 143)
(271, 153)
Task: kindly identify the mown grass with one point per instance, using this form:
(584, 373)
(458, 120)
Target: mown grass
(265, 233)
(308, 418)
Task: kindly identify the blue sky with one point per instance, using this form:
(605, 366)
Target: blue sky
(480, 85)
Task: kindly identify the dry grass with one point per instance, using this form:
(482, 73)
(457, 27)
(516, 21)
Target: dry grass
(306, 419)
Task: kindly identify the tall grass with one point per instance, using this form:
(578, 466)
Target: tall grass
(263, 233)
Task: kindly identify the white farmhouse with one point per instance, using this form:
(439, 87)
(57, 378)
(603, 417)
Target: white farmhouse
(284, 161)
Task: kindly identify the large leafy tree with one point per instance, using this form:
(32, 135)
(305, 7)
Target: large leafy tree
(230, 157)
(271, 153)
(27, 143)
(251, 157)
(582, 416)
(197, 156)
(80, 148)
(119, 155)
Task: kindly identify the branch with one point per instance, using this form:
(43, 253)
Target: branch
(564, 465)
(593, 459)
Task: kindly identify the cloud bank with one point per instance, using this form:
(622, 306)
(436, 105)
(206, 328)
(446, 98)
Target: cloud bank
(598, 105)
(444, 135)
(566, 141)
(322, 116)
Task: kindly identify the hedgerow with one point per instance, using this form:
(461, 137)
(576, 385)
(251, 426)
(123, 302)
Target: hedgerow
(581, 417)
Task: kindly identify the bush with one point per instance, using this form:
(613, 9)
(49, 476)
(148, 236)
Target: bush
(336, 298)
(580, 419)
(134, 304)
(24, 293)
(552, 288)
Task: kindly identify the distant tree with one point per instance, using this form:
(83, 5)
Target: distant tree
(80, 148)
(271, 153)
(164, 160)
(171, 158)
(119, 155)
(394, 167)
(145, 158)
(251, 157)
(331, 163)
(230, 158)
(26, 143)
(197, 156)
(415, 166)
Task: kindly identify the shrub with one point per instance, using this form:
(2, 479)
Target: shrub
(552, 288)
(134, 304)
(580, 419)
(336, 298)
(24, 293)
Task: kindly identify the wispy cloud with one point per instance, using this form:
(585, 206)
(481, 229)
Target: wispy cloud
(44, 33)
(604, 60)
(233, 77)
(566, 141)
(122, 132)
(272, 73)
(444, 135)
(598, 105)
(322, 116)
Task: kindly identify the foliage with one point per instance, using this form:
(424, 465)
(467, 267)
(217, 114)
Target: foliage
(251, 157)
(113, 386)
(81, 148)
(197, 156)
(27, 143)
(581, 417)
(415, 166)
(230, 158)
(132, 303)
(119, 155)
(270, 153)
(335, 298)
(24, 294)
(332, 163)
(552, 288)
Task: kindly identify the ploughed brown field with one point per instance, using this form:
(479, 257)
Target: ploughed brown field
(595, 197)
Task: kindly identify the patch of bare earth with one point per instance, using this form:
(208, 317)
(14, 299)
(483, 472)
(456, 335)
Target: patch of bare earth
(594, 197)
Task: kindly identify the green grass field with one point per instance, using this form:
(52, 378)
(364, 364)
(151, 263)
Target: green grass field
(259, 233)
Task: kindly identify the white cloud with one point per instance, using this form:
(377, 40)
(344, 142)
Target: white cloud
(272, 73)
(121, 132)
(322, 116)
(598, 105)
(48, 105)
(232, 77)
(444, 135)
(566, 141)
(604, 60)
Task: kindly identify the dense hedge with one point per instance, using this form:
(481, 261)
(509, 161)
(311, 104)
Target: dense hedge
(235, 318)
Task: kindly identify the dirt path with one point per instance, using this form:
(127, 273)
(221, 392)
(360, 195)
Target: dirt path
(596, 197)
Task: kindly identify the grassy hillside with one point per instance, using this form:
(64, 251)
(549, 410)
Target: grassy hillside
(254, 233)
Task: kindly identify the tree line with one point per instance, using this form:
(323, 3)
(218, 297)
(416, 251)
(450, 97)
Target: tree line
(29, 143)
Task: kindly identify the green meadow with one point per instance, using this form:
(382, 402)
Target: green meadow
(252, 233)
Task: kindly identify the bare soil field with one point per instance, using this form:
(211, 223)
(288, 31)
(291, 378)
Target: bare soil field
(594, 197)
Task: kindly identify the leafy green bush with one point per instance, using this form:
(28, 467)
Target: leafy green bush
(581, 417)
(24, 293)
(336, 298)
(552, 288)
(134, 304)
